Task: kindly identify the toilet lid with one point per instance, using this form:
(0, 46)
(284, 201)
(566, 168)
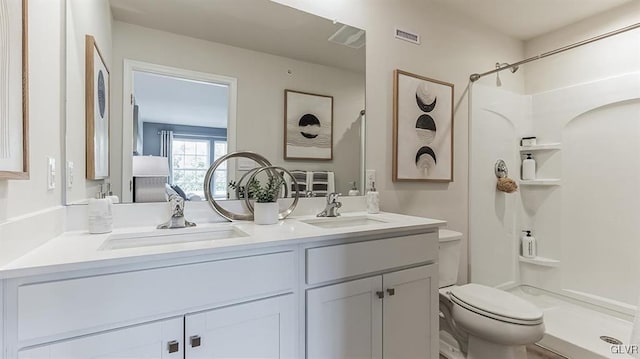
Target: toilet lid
(497, 304)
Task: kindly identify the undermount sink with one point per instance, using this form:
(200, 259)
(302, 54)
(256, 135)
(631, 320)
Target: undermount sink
(158, 237)
(341, 222)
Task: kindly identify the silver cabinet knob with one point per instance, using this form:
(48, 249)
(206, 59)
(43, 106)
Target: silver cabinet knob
(173, 346)
(195, 341)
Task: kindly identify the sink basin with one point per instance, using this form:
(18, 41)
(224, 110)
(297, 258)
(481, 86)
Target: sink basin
(159, 237)
(341, 222)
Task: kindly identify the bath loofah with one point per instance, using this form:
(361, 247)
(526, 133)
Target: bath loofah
(507, 185)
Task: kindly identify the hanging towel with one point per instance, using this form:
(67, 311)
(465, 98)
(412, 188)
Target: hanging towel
(635, 333)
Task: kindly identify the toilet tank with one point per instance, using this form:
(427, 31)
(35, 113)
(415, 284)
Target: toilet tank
(448, 257)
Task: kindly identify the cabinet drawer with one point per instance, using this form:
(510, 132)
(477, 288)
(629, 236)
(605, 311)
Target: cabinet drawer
(74, 305)
(347, 260)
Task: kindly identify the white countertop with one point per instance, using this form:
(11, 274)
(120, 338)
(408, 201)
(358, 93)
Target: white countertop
(79, 250)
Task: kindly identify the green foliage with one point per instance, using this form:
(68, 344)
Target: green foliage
(268, 193)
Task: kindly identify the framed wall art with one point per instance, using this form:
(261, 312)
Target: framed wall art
(97, 101)
(308, 126)
(14, 90)
(422, 128)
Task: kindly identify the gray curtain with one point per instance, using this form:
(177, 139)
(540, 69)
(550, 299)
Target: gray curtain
(166, 144)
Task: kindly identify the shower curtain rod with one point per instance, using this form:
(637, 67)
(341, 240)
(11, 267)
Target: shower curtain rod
(475, 77)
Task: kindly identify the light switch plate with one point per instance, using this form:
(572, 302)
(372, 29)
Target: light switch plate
(370, 179)
(69, 174)
(51, 173)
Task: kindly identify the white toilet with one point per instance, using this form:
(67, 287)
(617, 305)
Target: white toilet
(480, 322)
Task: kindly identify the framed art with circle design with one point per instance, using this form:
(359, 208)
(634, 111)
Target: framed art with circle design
(14, 90)
(422, 128)
(308, 126)
(97, 102)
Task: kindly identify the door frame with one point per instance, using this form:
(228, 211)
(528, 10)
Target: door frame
(129, 67)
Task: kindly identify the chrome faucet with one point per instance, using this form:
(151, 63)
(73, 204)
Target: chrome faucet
(331, 210)
(177, 219)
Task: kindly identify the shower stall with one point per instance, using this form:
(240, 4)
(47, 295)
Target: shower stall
(582, 103)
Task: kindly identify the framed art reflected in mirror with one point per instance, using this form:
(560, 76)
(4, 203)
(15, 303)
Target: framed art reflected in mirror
(14, 92)
(96, 111)
(308, 126)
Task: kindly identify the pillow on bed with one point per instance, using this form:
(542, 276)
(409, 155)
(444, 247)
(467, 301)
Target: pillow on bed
(180, 192)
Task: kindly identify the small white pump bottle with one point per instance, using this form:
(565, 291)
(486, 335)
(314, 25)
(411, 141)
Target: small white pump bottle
(529, 168)
(529, 249)
(373, 200)
(354, 190)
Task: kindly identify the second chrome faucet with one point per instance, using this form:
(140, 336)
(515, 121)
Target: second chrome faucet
(331, 210)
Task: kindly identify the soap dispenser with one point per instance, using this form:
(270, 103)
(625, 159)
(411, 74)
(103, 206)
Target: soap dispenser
(529, 168)
(354, 190)
(373, 200)
(529, 249)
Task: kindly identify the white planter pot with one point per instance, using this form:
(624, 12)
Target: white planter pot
(265, 213)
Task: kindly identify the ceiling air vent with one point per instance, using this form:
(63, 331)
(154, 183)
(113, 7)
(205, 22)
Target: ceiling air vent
(349, 36)
(407, 36)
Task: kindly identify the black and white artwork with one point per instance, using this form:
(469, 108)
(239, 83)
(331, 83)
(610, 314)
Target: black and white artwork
(14, 94)
(423, 129)
(308, 122)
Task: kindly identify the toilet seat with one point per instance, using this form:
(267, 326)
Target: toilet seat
(496, 304)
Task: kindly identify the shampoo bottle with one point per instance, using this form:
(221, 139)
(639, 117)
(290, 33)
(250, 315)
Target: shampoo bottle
(529, 168)
(373, 200)
(528, 245)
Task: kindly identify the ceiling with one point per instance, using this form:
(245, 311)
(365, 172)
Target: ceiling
(260, 25)
(526, 19)
(164, 99)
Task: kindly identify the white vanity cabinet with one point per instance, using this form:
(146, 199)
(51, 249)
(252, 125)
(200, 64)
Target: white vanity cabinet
(260, 329)
(161, 340)
(388, 315)
(243, 304)
(364, 295)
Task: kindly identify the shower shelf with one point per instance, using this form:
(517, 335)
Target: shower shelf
(542, 147)
(540, 261)
(541, 182)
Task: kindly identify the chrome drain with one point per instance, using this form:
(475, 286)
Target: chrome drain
(611, 340)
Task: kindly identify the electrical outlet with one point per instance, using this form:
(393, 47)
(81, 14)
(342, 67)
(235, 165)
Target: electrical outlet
(51, 173)
(69, 174)
(370, 179)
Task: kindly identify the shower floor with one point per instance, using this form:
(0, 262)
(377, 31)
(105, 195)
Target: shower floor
(574, 330)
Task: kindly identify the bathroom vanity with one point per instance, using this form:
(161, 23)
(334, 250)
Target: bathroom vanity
(306, 287)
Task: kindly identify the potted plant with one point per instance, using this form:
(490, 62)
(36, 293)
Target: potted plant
(266, 208)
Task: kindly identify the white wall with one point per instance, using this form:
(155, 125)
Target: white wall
(46, 71)
(262, 79)
(613, 56)
(83, 18)
(453, 47)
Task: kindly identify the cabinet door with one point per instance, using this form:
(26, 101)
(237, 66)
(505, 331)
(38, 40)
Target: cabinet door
(260, 329)
(411, 313)
(146, 341)
(345, 320)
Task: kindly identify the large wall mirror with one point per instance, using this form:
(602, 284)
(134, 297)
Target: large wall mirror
(188, 81)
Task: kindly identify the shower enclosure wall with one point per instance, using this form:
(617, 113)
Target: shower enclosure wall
(584, 209)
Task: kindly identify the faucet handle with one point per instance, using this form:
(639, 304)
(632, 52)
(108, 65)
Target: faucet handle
(333, 197)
